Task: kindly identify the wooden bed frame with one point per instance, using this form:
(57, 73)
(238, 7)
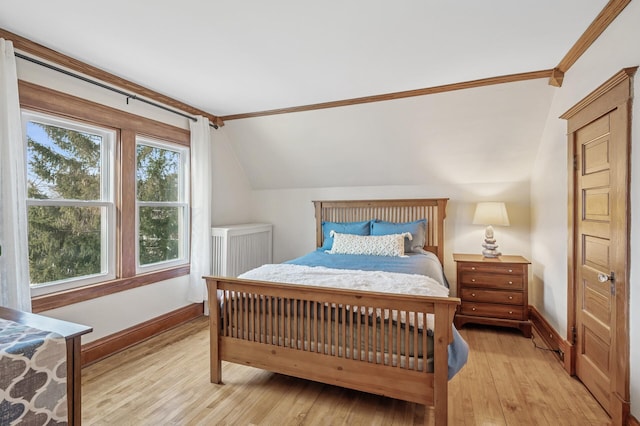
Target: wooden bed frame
(261, 324)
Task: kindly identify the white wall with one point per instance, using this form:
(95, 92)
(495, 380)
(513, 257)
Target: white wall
(231, 202)
(231, 193)
(291, 212)
(615, 49)
(119, 311)
(483, 134)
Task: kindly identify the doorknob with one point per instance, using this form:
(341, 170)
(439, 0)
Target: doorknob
(603, 278)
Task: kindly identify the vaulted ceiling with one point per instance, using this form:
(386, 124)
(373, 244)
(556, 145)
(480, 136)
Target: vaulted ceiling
(485, 134)
(231, 57)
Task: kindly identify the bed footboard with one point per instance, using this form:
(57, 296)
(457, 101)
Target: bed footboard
(372, 342)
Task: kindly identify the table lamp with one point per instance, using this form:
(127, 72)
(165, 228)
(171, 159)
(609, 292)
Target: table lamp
(490, 213)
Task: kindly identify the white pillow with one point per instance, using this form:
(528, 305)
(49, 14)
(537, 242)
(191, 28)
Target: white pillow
(376, 245)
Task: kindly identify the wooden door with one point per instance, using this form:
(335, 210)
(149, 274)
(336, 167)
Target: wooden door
(599, 215)
(596, 266)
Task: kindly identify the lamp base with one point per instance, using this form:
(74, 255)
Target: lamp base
(490, 248)
(491, 253)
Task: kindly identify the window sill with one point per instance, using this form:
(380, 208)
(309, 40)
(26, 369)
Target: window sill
(50, 301)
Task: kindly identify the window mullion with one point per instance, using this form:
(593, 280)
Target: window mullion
(127, 198)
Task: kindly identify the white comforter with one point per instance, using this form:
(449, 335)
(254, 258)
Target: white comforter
(386, 282)
(378, 281)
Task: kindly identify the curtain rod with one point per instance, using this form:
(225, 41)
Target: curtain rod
(105, 86)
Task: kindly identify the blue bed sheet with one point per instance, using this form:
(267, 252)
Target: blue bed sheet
(414, 263)
(458, 353)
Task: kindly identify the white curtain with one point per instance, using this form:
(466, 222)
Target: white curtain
(200, 208)
(14, 260)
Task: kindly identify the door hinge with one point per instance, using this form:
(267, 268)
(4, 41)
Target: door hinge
(575, 162)
(574, 335)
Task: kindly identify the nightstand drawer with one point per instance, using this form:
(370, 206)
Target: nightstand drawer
(493, 310)
(480, 295)
(493, 268)
(478, 279)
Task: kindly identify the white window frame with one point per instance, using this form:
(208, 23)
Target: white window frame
(106, 203)
(183, 203)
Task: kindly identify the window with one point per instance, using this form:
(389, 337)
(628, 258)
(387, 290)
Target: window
(162, 213)
(70, 206)
(108, 198)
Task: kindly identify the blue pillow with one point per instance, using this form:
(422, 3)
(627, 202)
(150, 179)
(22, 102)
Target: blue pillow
(354, 228)
(417, 228)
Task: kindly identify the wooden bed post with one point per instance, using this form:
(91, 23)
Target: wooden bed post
(442, 214)
(317, 205)
(214, 332)
(442, 336)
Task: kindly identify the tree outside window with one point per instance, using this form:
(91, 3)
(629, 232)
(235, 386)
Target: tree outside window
(162, 210)
(69, 199)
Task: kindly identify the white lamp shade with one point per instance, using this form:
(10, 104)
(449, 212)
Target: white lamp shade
(491, 213)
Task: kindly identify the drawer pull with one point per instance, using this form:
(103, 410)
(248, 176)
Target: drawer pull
(473, 294)
(473, 268)
(510, 270)
(510, 282)
(473, 280)
(510, 312)
(473, 309)
(510, 297)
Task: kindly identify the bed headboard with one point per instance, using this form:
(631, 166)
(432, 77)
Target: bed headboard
(432, 209)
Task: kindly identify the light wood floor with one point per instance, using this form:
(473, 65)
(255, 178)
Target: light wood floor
(165, 381)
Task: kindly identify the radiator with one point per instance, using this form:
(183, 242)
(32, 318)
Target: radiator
(239, 248)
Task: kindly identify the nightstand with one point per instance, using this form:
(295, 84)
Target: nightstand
(494, 291)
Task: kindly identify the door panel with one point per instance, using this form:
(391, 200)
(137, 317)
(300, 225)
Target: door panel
(596, 155)
(598, 350)
(596, 253)
(596, 201)
(598, 305)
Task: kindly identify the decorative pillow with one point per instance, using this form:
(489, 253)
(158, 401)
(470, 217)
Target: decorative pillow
(378, 245)
(354, 228)
(417, 228)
